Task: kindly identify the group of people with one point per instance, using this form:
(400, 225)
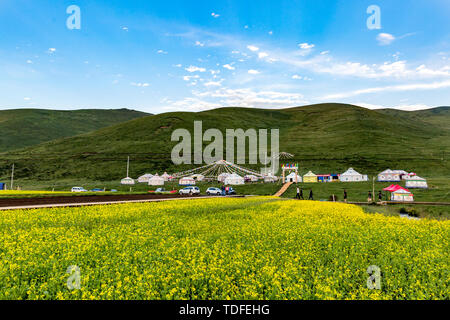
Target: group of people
(299, 195)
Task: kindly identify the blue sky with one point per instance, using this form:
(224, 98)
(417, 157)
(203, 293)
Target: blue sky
(160, 56)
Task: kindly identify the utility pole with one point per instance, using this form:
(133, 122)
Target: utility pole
(373, 188)
(128, 166)
(12, 177)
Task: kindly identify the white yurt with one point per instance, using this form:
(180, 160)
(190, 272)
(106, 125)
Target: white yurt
(416, 182)
(234, 179)
(221, 178)
(187, 181)
(127, 181)
(144, 178)
(390, 175)
(291, 178)
(166, 176)
(156, 181)
(251, 178)
(351, 175)
(198, 177)
(270, 179)
(402, 195)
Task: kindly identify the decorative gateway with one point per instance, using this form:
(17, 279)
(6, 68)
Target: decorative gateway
(416, 182)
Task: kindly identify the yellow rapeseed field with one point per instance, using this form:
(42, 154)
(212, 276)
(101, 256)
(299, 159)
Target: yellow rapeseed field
(254, 248)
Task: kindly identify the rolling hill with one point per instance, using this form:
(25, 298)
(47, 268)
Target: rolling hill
(323, 138)
(27, 127)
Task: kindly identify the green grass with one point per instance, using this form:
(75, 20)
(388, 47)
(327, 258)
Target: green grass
(324, 138)
(28, 127)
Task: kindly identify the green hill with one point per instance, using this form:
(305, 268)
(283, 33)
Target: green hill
(27, 127)
(323, 138)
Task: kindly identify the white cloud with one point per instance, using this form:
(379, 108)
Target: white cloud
(29, 61)
(250, 98)
(297, 77)
(51, 50)
(405, 107)
(27, 98)
(177, 65)
(252, 48)
(229, 67)
(162, 51)
(195, 69)
(125, 28)
(306, 46)
(252, 71)
(140, 84)
(271, 32)
(325, 52)
(188, 78)
(263, 55)
(404, 87)
(215, 15)
(385, 39)
(213, 83)
(199, 44)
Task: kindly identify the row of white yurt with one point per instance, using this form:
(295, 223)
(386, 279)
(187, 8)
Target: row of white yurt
(221, 178)
(144, 178)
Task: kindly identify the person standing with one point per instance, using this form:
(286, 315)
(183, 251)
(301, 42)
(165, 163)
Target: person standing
(380, 196)
(301, 194)
(345, 196)
(298, 193)
(223, 190)
(311, 195)
(369, 198)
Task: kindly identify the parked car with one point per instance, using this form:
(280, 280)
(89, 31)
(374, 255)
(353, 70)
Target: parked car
(190, 190)
(78, 189)
(213, 191)
(97, 190)
(113, 190)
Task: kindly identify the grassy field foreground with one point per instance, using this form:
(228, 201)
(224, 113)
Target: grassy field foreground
(254, 248)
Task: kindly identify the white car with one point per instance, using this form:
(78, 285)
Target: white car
(213, 191)
(78, 189)
(190, 190)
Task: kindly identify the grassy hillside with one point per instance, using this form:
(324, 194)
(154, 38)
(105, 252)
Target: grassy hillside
(27, 127)
(323, 138)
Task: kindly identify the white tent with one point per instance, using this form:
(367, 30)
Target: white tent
(127, 181)
(416, 182)
(291, 178)
(270, 178)
(351, 175)
(402, 195)
(166, 176)
(145, 178)
(198, 177)
(187, 181)
(221, 178)
(156, 181)
(234, 179)
(391, 175)
(251, 178)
